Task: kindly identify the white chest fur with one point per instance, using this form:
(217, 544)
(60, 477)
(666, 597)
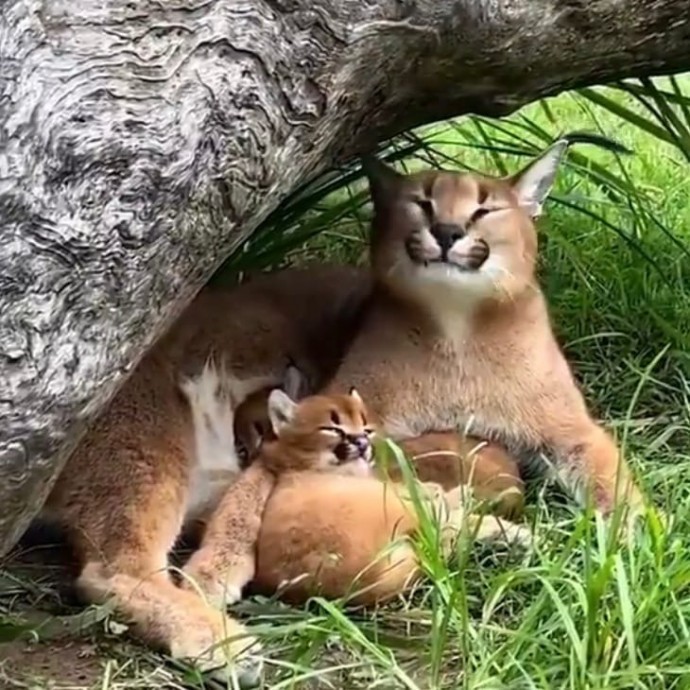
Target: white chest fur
(213, 397)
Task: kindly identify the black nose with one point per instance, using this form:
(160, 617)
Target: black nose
(361, 443)
(352, 446)
(446, 234)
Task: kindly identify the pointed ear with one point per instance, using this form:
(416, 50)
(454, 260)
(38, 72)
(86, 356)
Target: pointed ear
(384, 181)
(533, 183)
(281, 410)
(355, 394)
(295, 383)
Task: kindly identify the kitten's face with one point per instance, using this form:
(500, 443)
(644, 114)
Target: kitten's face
(252, 425)
(323, 433)
(453, 236)
(334, 433)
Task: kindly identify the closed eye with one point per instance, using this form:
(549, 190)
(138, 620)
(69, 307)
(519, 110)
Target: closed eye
(368, 431)
(333, 430)
(479, 214)
(427, 207)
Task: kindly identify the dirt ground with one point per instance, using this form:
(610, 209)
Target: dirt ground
(60, 645)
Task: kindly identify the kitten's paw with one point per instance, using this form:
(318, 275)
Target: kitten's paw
(220, 583)
(223, 649)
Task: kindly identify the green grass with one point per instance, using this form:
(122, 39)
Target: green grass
(578, 612)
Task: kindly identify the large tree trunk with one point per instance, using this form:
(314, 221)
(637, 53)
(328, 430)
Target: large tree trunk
(140, 141)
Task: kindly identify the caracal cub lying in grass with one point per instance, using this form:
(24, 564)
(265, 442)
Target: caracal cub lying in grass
(311, 511)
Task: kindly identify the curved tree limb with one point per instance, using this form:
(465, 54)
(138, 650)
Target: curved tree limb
(141, 141)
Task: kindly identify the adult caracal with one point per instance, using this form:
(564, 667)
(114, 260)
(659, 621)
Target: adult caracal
(454, 331)
(150, 463)
(309, 514)
(457, 333)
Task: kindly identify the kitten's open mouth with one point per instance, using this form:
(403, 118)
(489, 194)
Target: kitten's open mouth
(351, 452)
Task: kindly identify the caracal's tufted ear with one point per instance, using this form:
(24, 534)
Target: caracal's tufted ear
(384, 181)
(355, 394)
(295, 383)
(534, 182)
(281, 410)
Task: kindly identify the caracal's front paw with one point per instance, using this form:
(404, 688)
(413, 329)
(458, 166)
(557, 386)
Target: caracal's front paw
(223, 649)
(221, 584)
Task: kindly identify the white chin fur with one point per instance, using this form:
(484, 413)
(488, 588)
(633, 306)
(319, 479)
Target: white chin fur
(360, 468)
(445, 281)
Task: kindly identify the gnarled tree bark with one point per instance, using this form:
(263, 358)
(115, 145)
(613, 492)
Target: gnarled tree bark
(141, 141)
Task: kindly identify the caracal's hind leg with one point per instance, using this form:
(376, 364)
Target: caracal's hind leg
(176, 621)
(122, 498)
(133, 575)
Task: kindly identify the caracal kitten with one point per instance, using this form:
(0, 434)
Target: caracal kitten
(447, 459)
(310, 516)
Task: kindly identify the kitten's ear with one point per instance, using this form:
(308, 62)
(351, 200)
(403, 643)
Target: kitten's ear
(533, 183)
(355, 394)
(281, 410)
(295, 383)
(384, 181)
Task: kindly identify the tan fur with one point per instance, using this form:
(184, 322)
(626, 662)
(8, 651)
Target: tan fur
(123, 495)
(341, 532)
(449, 349)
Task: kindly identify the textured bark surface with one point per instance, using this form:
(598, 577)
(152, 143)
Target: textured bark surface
(141, 141)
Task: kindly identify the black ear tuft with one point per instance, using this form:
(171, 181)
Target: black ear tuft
(383, 179)
(596, 140)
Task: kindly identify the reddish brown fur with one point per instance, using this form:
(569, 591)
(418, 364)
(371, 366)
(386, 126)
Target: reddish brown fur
(333, 529)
